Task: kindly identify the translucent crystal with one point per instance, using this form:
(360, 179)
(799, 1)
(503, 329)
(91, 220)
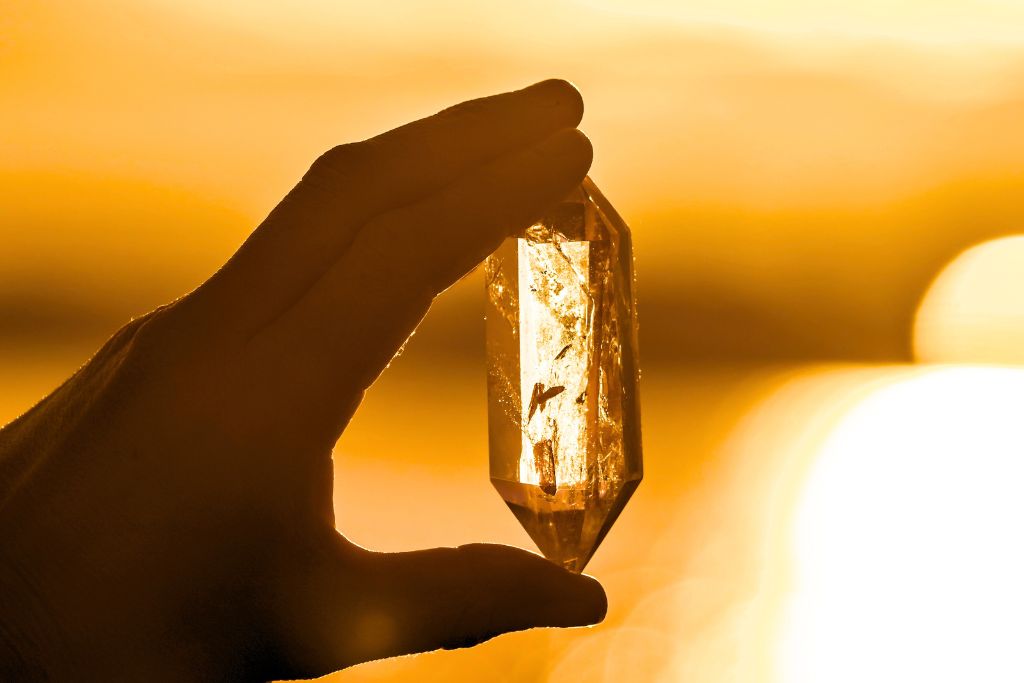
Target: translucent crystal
(563, 410)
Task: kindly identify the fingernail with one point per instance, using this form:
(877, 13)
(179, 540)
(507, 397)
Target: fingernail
(556, 90)
(596, 599)
(557, 93)
(585, 601)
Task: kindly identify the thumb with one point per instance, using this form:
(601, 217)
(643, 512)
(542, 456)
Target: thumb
(459, 597)
(374, 605)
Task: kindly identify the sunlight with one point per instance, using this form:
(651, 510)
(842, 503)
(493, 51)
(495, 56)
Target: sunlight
(974, 311)
(907, 552)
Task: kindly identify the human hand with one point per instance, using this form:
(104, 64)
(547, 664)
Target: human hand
(167, 512)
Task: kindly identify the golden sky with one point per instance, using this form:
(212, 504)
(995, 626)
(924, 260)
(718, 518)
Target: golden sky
(756, 147)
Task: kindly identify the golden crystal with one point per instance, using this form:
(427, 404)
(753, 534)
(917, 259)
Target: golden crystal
(563, 409)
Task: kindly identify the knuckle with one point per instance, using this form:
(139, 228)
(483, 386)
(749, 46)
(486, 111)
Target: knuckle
(150, 335)
(123, 337)
(133, 341)
(337, 158)
(165, 337)
(341, 166)
(134, 359)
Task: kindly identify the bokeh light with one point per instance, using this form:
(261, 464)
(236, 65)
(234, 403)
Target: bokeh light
(907, 557)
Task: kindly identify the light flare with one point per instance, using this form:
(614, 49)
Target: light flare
(908, 561)
(555, 353)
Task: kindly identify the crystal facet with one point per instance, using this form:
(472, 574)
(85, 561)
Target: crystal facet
(563, 409)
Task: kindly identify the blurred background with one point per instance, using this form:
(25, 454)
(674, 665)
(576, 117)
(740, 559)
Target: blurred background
(824, 198)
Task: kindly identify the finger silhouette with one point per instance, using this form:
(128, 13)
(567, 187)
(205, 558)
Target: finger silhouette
(352, 322)
(429, 599)
(349, 185)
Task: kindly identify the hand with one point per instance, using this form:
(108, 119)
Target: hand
(167, 512)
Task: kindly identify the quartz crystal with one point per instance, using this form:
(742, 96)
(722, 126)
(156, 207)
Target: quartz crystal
(563, 410)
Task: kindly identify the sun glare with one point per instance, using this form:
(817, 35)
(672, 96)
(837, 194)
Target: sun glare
(907, 552)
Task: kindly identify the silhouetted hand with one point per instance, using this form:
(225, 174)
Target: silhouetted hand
(167, 512)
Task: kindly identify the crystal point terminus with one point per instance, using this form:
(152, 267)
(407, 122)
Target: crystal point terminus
(563, 409)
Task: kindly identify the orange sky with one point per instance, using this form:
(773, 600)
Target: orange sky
(754, 147)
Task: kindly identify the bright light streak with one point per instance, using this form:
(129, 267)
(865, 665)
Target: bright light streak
(554, 356)
(907, 537)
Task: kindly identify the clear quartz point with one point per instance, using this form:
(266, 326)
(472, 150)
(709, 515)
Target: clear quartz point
(563, 409)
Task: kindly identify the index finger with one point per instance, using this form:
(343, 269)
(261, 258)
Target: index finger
(347, 186)
(356, 606)
(416, 159)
